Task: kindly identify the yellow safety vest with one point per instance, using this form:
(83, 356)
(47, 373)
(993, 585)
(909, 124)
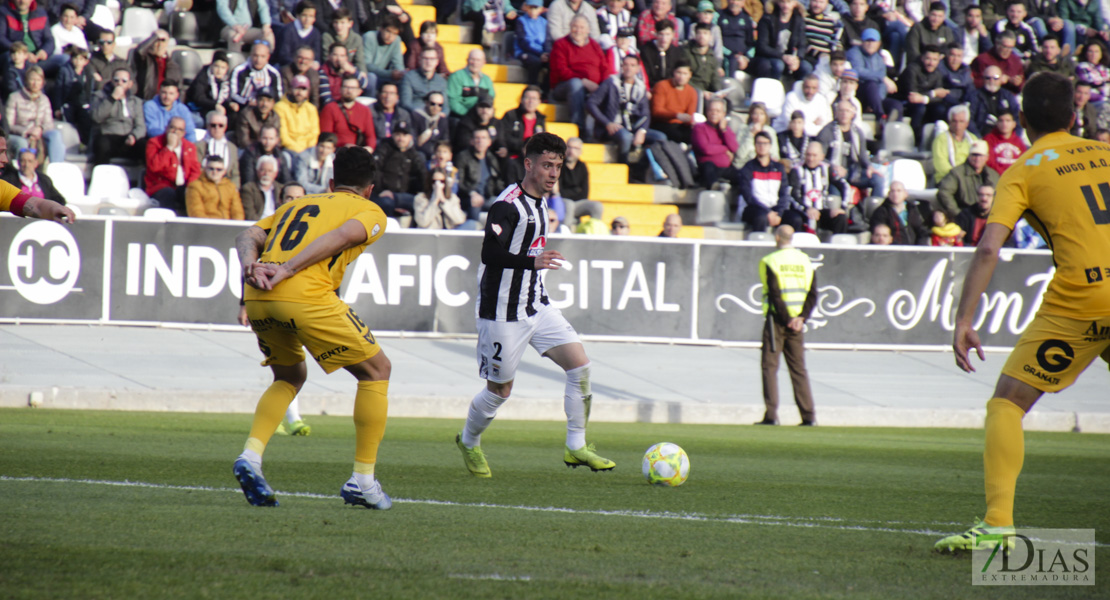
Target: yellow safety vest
(794, 272)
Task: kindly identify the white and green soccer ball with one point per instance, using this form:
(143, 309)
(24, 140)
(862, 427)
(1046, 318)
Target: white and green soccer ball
(666, 464)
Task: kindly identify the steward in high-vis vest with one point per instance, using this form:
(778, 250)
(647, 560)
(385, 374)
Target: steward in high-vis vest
(789, 295)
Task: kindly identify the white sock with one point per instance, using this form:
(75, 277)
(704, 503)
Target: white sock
(293, 413)
(576, 405)
(364, 481)
(482, 410)
(254, 458)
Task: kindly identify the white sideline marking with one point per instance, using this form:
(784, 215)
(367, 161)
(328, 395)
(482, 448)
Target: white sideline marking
(806, 522)
(492, 576)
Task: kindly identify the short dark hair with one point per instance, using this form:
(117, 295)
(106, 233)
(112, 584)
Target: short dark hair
(1047, 102)
(354, 167)
(664, 24)
(391, 21)
(837, 55)
(1052, 37)
(341, 13)
(544, 142)
(953, 46)
(211, 158)
(68, 6)
(1010, 3)
(428, 26)
(332, 47)
(291, 184)
(941, 7)
(531, 88)
(681, 63)
(703, 27)
(931, 48)
(169, 83)
(302, 6)
(967, 11)
(763, 134)
(395, 87)
(328, 136)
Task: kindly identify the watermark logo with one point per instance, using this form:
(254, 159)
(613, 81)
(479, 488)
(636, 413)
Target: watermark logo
(44, 262)
(1037, 557)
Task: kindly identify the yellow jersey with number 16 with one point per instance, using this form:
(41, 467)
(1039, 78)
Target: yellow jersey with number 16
(1062, 187)
(296, 225)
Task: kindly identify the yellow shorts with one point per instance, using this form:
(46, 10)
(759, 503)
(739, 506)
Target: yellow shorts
(333, 333)
(1054, 350)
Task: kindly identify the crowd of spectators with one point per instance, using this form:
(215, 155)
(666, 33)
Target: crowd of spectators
(636, 73)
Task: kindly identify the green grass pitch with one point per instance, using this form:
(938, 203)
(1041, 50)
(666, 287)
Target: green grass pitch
(784, 512)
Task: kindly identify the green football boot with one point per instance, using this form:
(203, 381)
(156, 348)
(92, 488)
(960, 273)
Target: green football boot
(474, 458)
(588, 457)
(298, 427)
(980, 536)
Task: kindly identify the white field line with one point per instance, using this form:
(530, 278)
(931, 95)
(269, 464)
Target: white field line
(746, 519)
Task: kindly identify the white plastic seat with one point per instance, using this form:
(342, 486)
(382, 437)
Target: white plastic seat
(760, 236)
(909, 172)
(102, 16)
(108, 182)
(844, 239)
(391, 224)
(159, 214)
(771, 93)
(138, 23)
(113, 211)
(69, 181)
(805, 239)
(712, 208)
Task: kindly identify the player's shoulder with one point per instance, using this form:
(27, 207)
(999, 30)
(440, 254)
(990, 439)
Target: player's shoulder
(509, 195)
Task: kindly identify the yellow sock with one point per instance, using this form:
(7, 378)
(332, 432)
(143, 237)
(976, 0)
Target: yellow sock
(1003, 456)
(371, 405)
(269, 413)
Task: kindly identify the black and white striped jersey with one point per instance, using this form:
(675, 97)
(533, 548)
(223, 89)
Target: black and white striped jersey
(509, 286)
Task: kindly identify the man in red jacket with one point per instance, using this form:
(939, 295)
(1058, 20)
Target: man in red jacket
(349, 120)
(578, 66)
(171, 164)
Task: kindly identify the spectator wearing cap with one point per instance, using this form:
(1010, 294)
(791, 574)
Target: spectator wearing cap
(216, 143)
(577, 69)
(610, 21)
(253, 75)
(254, 118)
(430, 125)
(714, 145)
(300, 121)
(466, 85)
(351, 122)
(171, 164)
(268, 144)
(952, 147)
(303, 60)
(874, 85)
(315, 166)
(402, 171)
(381, 51)
(847, 149)
(118, 122)
(959, 188)
(387, 113)
(707, 15)
(621, 109)
(737, 35)
(301, 33)
(211, 88)
(847, 90)
(560, 13)
(338, 67)
(150, 62)
(166, 106)
(531, 39)
(245, 22)
(625, 46)
(479, 117)
(419, 82)
(213, 195)
(930, 31)
(809, 102)
(619, 226)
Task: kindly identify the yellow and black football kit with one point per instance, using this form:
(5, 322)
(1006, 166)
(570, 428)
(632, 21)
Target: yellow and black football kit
(1062, 187)
(12, 198)
(305, 309)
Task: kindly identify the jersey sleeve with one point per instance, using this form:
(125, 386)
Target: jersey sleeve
(500, 224)
(1012, 198)
(266, 222)
(12, 198)
(373, 219)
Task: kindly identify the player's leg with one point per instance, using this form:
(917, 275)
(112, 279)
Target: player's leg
(294, 424)
(556, 339)
(793, 348)
(500, 348)
(769, 364)
(371, 409)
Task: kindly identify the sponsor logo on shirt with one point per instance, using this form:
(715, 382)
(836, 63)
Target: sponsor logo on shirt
(537, 246)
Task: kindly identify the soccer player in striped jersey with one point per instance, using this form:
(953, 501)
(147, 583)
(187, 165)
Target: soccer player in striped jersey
(514, 312)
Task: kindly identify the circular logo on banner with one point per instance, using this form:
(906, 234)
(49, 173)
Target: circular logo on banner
(44, 262)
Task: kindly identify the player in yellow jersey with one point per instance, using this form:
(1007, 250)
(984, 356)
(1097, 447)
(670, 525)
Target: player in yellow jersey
(293, 261)
(15, 201)
(1062, 187)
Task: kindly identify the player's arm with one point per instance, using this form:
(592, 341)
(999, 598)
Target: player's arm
(248, 244)
(24, 205)
(975, 284)
(350, 234)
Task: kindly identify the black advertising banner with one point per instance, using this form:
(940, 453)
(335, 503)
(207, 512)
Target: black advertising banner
(187, 272)
(871, 296)
(50, 270)
(178, 272)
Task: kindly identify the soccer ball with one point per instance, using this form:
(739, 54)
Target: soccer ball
(666, 464)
